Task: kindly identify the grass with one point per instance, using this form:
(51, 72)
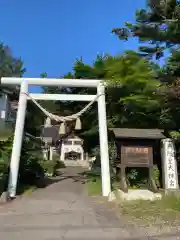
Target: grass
(164, 211)
(5, 132)
(1, 185)
(29, 190)
(159, 212)
(24, 189)
(94, 185)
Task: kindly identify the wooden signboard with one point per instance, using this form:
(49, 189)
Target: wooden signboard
(133, 156)
(136, 148)
(136, 156)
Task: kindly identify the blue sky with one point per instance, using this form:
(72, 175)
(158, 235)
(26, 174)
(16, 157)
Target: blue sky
(50, 35)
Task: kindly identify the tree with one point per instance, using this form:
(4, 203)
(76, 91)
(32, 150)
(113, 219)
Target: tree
(138, 84)
(157, 29)
(10, 66)
(158, 25)
(132, 102)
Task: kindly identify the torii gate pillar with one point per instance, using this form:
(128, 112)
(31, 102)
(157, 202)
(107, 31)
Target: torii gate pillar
(17, 143)
(105, 172)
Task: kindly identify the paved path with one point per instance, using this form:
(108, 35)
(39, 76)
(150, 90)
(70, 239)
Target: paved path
(63, 211)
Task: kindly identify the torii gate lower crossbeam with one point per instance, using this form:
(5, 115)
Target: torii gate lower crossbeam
(19, 128)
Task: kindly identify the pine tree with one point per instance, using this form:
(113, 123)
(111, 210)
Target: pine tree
(158, 26)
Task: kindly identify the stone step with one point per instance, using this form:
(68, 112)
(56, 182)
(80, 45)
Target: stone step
(76, 163)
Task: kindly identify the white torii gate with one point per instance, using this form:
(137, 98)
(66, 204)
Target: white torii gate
(19, 128)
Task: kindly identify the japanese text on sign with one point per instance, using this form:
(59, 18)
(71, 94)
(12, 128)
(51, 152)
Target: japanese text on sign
(171, 171)
(136, 150)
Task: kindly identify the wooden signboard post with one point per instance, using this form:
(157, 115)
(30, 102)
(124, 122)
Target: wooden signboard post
(136, 156)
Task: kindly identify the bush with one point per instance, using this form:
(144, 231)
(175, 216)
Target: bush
(50, 167)
(6, 130)
(32, 167)
(30, 170)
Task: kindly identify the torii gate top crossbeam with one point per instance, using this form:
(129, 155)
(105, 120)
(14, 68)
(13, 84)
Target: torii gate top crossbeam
(51, 82)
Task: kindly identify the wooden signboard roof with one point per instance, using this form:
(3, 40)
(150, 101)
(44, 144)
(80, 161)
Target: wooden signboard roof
(138, 133)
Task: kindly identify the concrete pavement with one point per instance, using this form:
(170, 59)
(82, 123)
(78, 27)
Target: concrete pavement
(64, 211)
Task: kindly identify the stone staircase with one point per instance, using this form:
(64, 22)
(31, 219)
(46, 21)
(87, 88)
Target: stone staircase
(78, 163)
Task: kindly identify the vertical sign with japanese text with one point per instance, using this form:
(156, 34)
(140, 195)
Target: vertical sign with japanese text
(170, 165)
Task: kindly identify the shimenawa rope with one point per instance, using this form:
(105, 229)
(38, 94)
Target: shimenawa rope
(63, 118)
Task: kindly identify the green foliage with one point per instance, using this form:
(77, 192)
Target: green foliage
(136, 78)
(175, 135)
(9, 65)
(156, 174)
(6, 130)
(29, 170)
(161, 212)
(94, 186)
(32, 165)
(133, 103)
(34, 119)
(137, 178)
(157, 29)
(5, 152)
(132, 175)
(6, 147)
(50, 167)
(172, 67)
(158, 26)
